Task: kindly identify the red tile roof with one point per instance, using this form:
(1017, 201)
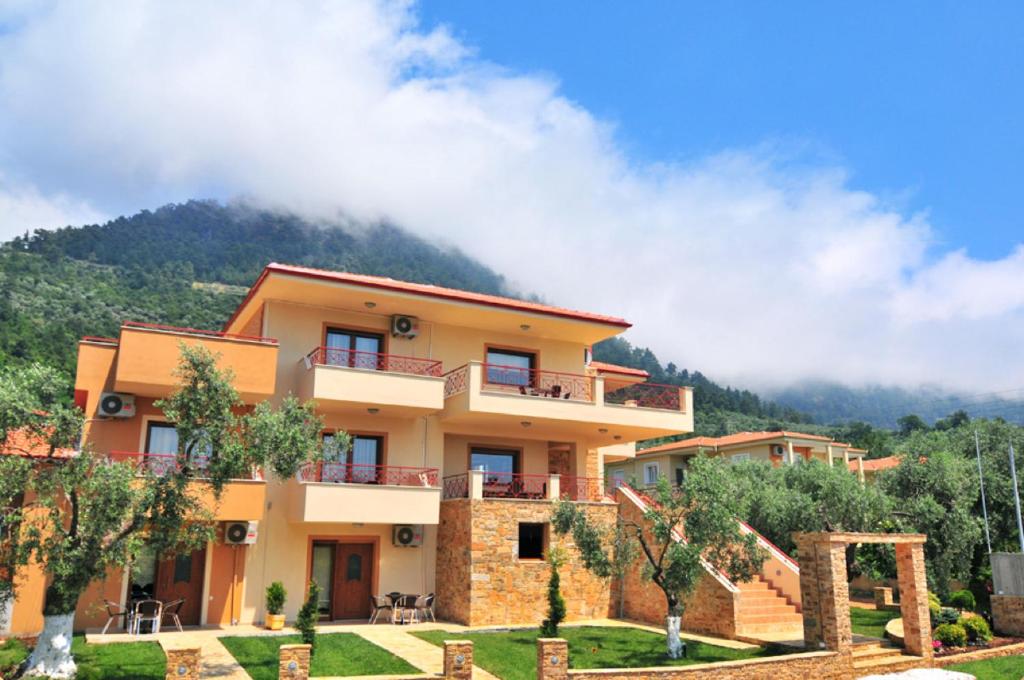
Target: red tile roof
(737, 438)
(24, 442)
(877, 464)
(621, 370)
(427, 290)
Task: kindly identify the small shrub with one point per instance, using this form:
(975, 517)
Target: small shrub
(976, 627)
(963, 599)
(946, 615)
(951, 635)
(556, 603)
(309, 614)
(934, 605)
(276, 595)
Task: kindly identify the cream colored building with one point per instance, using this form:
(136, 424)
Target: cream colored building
(778, 448)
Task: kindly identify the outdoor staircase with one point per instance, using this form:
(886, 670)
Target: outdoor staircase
(763, 609)
(880, 657)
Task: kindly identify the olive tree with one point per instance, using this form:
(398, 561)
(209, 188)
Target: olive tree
(684, 531)
(81, 515)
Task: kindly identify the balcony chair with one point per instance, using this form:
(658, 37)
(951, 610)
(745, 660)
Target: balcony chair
(425, 607)
(116, 611)
(171, 610)
(150, 611)
(378, 604)
(556, 391)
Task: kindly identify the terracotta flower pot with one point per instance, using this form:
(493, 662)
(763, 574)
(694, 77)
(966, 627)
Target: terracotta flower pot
(274, 621)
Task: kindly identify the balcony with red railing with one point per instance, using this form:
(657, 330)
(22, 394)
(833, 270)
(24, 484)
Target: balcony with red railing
(345, 379)
(479, 484)
(162, 464)
(565, 404)
(372, 494)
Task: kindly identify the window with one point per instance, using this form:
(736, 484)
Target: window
(321, 572)
(618, 478)
(498, 464)
(739, 458)
(508, 367)
(531, 540)
(162, 442)
(651, 473)
(357, 349)
(680, 476)
(359, 464)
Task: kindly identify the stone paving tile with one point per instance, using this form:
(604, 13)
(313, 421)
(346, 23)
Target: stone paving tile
(420, 653)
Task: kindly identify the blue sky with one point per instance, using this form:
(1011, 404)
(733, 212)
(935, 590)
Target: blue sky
(920, 101)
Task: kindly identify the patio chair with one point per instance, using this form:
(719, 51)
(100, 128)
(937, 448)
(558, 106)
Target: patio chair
(378, 604)
(556, 391)
(116, 611)
(424, 608)
(407, 608)
(147, 611)
(171, 610)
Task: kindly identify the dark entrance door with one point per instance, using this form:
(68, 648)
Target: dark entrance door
(181, 576)
(353, 574)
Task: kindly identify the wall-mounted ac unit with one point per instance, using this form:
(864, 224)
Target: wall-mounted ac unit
(405, 326)
(777, 450)
(240, 533)
(407, 535)
(116, 405)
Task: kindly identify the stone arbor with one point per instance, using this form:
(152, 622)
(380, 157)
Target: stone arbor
(824, 589)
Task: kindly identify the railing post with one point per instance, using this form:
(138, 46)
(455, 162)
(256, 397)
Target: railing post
(476, 484)
(598, 386)
(554, 487)
(458, 659)
(552, 659)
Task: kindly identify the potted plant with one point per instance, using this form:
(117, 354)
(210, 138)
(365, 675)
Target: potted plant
(275, 605)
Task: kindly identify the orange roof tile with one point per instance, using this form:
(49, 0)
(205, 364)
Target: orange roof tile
(24, 442)
(615, 368)
(428, 290)
(737, 438)
(877, 464)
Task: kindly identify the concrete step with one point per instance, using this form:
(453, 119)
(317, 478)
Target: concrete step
(780, 619)
(775, 608)
(865, 653)
(887, 664)
(794, 629)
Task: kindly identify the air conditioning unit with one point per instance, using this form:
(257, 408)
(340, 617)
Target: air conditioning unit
(407, 535)
(777, 450)
(240, 533)
(405, 326)
(116, 405)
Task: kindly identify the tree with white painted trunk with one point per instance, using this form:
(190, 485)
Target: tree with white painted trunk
(80, 513)
(685, 530)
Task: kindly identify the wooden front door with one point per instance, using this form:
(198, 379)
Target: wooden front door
(353, 575)
(182, 576)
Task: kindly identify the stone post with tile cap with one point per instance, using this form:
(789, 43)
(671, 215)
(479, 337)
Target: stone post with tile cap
(552, 659)
(293, 662)
(458, 659)
(183, 664)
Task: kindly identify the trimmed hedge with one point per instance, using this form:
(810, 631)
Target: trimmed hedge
(951, 635)
(977, 628)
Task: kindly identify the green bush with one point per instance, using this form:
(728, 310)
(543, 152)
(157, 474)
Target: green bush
(951, 635)
(934, 605)
(946, 615)
(276, 595)
(976, 627)
(309, 614)
(963, 599)
(556, 605)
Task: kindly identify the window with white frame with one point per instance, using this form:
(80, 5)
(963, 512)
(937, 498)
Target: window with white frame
(739, 458)
(651, 473)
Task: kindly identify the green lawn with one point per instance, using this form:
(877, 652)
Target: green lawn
(336, 654)
(121, 661)
(512, 655)
(1004, 668)
(872, 622)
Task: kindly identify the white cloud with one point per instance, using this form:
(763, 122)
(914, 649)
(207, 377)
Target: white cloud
(740, 264)
(23, 208)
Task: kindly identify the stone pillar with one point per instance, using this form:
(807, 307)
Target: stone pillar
(910, 571)
(860, 468)
(293, 663)
(458, 659)
(846, 457)
(554, 487)
(824, 593)
(476, 484)
(790, 459)
(552, 659)
(1008, 614)
(183, 664)
(828, 452)
(883, 598)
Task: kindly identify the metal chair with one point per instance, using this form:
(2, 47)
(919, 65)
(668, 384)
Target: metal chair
(171, 610)
(407, 606)
(423, 608)
(378, 604)
(150, 611)
(116, 611)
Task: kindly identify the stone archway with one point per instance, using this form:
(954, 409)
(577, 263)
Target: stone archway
(825, 593)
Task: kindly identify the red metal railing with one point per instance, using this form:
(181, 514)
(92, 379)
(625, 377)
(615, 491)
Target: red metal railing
(455, 486)
(575, 488)
(356, 473)
(456, 381)
(161, 464)
(515, 485)
(645, 395)
(197, 331)
(372, 361)
(538, 383)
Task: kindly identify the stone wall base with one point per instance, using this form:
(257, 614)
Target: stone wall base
(1008, 614)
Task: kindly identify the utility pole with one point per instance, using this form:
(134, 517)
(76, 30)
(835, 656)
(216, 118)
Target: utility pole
(981, 478)
(1016, 499)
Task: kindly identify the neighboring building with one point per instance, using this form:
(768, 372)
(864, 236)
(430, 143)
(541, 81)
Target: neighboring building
(778, 448)
(871, 468)
(469, 414)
